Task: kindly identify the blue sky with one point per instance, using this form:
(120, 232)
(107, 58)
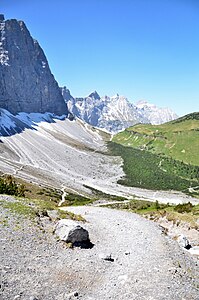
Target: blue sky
(143, 49)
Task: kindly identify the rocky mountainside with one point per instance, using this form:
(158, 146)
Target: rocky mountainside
(115, 113)
(26, 82)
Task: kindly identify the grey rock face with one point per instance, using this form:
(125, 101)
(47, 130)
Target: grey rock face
(26, 82)
(68, 98)
(66, 94)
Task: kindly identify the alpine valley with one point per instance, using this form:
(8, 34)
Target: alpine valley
(51, 138)
(61, 158)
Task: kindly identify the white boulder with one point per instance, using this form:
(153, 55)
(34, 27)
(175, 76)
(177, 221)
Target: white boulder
(71, 232)
(183, 241)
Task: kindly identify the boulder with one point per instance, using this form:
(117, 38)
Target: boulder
(71, 232)
(183, 242)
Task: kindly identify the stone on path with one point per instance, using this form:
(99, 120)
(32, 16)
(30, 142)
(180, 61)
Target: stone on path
(71, 232)
(183, 242)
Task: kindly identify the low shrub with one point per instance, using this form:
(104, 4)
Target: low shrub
(10, 187)
(185, 207)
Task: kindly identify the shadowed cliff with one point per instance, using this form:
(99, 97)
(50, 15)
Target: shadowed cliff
(26, 82)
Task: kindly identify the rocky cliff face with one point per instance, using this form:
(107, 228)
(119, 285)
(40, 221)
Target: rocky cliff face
(26, 82)
(115, 113)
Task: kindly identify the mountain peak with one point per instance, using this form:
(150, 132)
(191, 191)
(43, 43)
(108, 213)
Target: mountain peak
(143, 103)
(26, 82)
(116, 96)
(66, 93)
(94, 95)
(2, 17)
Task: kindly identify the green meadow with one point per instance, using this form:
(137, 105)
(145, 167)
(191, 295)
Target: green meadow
(178, 139)
(161, 156)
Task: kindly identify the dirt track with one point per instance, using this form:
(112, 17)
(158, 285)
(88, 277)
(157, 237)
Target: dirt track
(146, 264)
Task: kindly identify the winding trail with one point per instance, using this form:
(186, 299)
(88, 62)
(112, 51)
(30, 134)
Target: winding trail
(147, 265)
(63, 196)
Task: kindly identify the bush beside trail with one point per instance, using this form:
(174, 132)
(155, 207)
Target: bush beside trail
(10, 187)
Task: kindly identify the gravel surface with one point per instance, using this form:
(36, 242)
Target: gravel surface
(145, 264)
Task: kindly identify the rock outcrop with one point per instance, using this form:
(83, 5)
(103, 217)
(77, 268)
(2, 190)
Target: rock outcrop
(26, 82)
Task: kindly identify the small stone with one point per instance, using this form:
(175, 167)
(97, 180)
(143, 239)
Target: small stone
(70, 295)
(123, 278)
(107, 257)
(183, 242)
(53, 215)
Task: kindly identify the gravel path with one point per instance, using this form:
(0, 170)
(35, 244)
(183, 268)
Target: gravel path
(147, 265)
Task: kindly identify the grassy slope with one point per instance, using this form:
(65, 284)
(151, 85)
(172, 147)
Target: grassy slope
(181, 213)
(160, 157)
(37, 200)
(178, 139)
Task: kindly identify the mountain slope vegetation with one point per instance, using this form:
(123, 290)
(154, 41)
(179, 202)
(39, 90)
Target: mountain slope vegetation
(178, 139)
(160, 156)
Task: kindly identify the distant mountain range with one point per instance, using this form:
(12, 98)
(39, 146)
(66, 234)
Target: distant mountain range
(115, 113)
